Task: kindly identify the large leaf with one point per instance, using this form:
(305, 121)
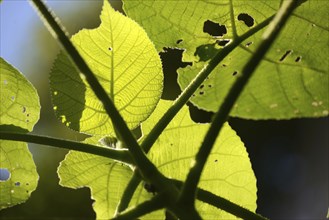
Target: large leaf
(292, 80)
(228, 172)
(105, 178)
(126, 64)
(18, 175)
(19, 112)
(19, 100)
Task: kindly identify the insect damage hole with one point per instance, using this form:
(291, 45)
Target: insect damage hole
(4, 174)
(298, 59)
(214, 29)
(179, 41)
(284, 56)
(247, 19)
(222, 43)
(249, 43)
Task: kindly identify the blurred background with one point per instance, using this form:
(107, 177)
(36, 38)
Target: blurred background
(290, 158)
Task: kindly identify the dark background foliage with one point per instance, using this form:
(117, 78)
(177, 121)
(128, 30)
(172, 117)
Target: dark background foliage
(290, 157)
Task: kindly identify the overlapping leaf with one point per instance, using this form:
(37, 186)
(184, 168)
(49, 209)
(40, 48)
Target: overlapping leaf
(17, 161)
(228, 172)
(19, 100)
(19, 111)
(105, 178)
(126, 64)
(291, 82)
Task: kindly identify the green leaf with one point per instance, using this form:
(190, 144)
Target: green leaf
(18, 175)
(228, 172)
(286, 84)
(106, 178)
(126, 64)
(19, 112)
(19, 100)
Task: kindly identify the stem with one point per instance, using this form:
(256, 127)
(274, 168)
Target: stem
(189, 189)
(146, 167)
(194, 85)
(128, 193)
(223, 204)
(155, 203)
(115, 154)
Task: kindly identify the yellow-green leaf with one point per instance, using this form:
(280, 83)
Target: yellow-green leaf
(105, 178)
(19, 100)
(228, 172)
(125, 62)
(18, 175)
(291, 81)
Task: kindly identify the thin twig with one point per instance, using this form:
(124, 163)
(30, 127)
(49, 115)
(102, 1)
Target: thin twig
(194, 85)
(122, 155)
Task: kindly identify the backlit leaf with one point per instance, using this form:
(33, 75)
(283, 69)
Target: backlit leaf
(19, 112)
(18, 175)
(292, 80)
(228, 172)
(126, 64)
(19, 100)
(105, 178)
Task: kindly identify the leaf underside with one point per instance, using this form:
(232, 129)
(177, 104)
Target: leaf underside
(228, 172)
(291, 81)
(19, 112)
(125, 62)
(19, 100)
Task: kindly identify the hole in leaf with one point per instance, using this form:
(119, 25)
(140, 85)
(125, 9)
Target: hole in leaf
(247, 19)
(222, 42)
(199, 115)
(17, 184)
(110, 48)
(179, 41)
(201, 92)
(27, 115)
(209, 85)
(171, 61)
(216, 161)
(234, 73)
(224, 65)
(249, 43)
(287, 53)
(4, 174)
(201, 86)
(24, 109)
(298, 59)
(214, 29)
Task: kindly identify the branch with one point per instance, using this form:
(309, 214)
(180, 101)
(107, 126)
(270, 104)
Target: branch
(128, 193)
(155, 203)
(115, 154)
(223, 204)
(189, 189)
(194, 85)
(144, 165)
